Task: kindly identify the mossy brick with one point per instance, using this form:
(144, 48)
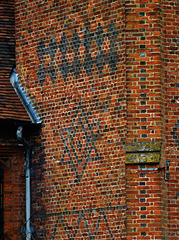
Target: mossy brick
(136, 158)
(144, 147)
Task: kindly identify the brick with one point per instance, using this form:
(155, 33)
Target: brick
(103, 78)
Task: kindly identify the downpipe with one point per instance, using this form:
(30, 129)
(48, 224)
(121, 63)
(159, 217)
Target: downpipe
(25, 143)
(35, 119)
(28, 199)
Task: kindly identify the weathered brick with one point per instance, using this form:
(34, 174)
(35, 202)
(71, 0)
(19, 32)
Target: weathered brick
(102, 76)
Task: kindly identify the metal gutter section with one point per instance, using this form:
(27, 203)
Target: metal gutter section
(25, 101)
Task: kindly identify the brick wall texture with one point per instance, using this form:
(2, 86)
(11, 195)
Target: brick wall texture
(14, 189)
(103, 77)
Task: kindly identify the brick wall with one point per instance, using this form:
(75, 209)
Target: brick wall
(144, 203)
(71, 61)
(102, 76)
(143, 68)
(155, 76)
(14, 195)
(171, 67)
(145, 120)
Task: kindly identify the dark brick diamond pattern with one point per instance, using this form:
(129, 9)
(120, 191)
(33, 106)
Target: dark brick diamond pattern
(88, 64)
(41, 73)
(63, 45)
(81, 217)
(64, 68)
(75, 65)
(71, 232)
(76, 42)
(113, 55)
(79, 142)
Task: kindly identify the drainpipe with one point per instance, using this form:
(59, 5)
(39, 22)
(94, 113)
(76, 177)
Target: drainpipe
(35, 119)
(27, 177)
(28, 201)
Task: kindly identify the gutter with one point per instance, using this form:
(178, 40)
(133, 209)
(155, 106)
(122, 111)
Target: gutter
(21, 94)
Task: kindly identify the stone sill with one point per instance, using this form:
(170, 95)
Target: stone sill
(143, 152)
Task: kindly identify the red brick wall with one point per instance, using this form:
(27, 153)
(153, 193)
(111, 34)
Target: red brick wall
(71, 61)
(145, 120)
(143, 68)
(101, 74)
(171, 68)
(144, 203)
(14, 195)
(152, 28)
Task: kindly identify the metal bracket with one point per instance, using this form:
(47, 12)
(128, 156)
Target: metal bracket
(23, 229)
(165, 169)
